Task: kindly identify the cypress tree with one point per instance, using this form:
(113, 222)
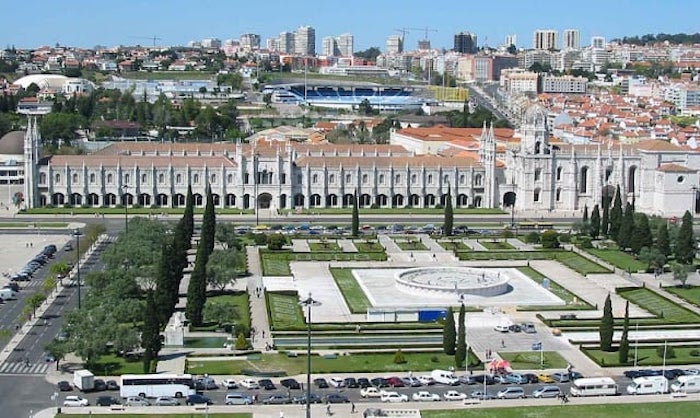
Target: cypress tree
(585, 214)
(626, 228)
(595, 222)
(449, 337)
(208, 224)
(164, 282)
(624, 340)
(355, 216)
(606, 326)
(685, 243)
(616, 215)
(663, 243)
(150, 334)
(449, 215)
(188, 216)
(461, 351)
(605, 223)
(641, 236)
(196, 290)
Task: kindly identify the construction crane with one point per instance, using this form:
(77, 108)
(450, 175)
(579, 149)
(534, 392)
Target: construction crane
(152, 38)
(425, 29)
(403, 32)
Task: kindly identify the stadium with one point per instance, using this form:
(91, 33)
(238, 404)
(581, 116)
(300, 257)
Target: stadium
(380, 97)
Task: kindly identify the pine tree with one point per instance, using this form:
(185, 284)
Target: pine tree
(641, 236)
(595, 222)
(355, 216)
(150, 334)
(624, 340)
(605, 223)
(626, 228)
(461, 351)
(449, 215)
(616, 215)
(607, 326)
(685, 243)
(663, 243)
(449, 338)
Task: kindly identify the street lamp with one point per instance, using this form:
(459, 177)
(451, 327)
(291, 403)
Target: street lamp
(76, 234)
(125, 187)
(308, 302)
(695, 199)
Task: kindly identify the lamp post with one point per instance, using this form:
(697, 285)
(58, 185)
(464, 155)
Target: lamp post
(125, 187)
(76, 234)
(695, 199)
(636, 344)
(308, 302)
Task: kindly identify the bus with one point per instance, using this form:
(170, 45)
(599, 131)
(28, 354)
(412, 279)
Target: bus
(594, 386)
(155, 385)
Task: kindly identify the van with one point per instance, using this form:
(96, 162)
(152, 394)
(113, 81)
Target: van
(547, 392)
(687, 384)
(445, 377)
(235, 398)
(648, 385)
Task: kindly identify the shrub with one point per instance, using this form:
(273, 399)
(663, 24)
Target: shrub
(532, 238)
(399, 357)
(565, 238)
(584, 242)
(260, 239)
(670, 352)
(434, 359)
(550, 239)
(374, 206)
(276, 241)
(241, 342)
(694, 353)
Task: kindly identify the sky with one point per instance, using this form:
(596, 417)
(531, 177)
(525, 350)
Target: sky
(86, 23)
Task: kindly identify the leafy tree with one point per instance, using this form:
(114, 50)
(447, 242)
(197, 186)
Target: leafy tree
(616, 215)
(662, 242)
(58, 349)
(605, 222)
(461, 350)
(56, 127)
(449, 338)
(652, 257)
(223, 267)
(595, 222)
(226, 235)
(606, 326)
(641, 236)
(624, 350)
(370, 54)
(680, 272)
(188, 215)
(365, 108)
(221, 312)
(34, 301)
(549, 239)
(449, 215)
(685, 243)
(624, 235)
(276, 241)
(355, 229)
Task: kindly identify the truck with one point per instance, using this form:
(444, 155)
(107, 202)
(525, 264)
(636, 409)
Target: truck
(686, 384)
(84, 380)
(445, 377)
(7, 293)
(646, 385)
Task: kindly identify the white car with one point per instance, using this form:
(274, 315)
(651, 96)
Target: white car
(249, 384)
(371, 392)
(75, 401)
(453, 395)
(424, 396)
(426, 380)
(393, 397)
(229, 384)
(337, 382)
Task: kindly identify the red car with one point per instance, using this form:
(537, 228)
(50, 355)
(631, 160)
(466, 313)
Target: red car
(395, 382)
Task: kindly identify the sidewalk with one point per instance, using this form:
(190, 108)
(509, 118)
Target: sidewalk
(262, 337)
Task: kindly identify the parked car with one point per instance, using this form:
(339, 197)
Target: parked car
(363, 382)
(64, 386)
(337, 382)
(480, 378)
(336, 398)
(249, 384)
(321, 383)
(531, 378)
(229, 384)
(515, 378)
(501, 328)
(549, 391)
(166, 401)
(290, 383)
(99, 385)
(206, 383)
(560, 377)
(512, 392)
(136, 401)
(545, 378)
(453, 395)
(267, 384)
(424, 396)
(75, 401)
(515, 328)
(380, 382)
(371, 392)
(198, 399)
(393, 397)
(412, 382)
(277, 400)
(314, 398)
(426, 380)
(480, 394)
(395, 382)
(235, 398)
(112, 385)
(528, 328)
(107, 401)
(351, 382)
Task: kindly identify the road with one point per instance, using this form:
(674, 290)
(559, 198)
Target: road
(486, 97)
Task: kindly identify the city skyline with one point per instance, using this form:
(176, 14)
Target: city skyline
(371, 23)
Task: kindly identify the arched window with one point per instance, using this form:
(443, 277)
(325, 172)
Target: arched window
(195, 179)
(178, 178)
(430, 179)
(558, 195)
(92, 178)
(161, 178)
(365, 178)
(584, 180)
(348, 178)
(414, 179)
(229, 178)
(314, 179)
(127, 178)
(445, 178)
(212, 179)
(537, 147)
(397, 179)
(461, 179)
(559, 171)
(42, 178)
(536, 195)
(538, 174)
(381, 179)
(477, 180)
(331, 178)
(143, 178)
(110, 178)
(75, 178)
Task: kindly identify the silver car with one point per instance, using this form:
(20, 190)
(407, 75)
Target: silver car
(167, 401)
(136, 401)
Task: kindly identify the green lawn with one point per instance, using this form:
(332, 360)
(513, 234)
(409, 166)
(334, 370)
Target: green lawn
(410, 244)
(454, 245)
(276, 263)
(241, 312)
(646, 356)
(619, 259)
(112, 365)
(352, 292)
(658, 305)
(284, 310)
(368, 246)
(327, 246)
(579, 263)
(689, 293)
(614, 410)
(496, 245)
(529, 360)
(568, 258)
(353, 363)
(554, 287)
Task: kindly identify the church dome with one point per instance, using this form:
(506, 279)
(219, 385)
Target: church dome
(535, 115)
(12, 143)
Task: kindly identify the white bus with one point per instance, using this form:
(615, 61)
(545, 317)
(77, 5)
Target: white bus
(594, 386)
(155, 385)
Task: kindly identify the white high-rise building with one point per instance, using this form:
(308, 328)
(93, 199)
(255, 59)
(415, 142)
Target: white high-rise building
(250, 42)
(286, 43)
(545, 39)
(211, 43)
(272, 44)
(305, 41)
(598, 42)
(345, 44)
(572, 39)
(329, 47)
(511, 40)
(394, 44)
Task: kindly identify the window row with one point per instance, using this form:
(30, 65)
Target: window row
(381, 179)
(110, 178)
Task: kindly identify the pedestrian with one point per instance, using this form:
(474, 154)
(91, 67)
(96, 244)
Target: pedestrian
(328, 410)
(503, 344)
(263, 333)
(352, 407)
(281, 414)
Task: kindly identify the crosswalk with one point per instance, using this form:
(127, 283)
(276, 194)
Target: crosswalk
(22, 368)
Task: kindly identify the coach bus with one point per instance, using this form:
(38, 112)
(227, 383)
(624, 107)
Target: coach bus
(155, 385)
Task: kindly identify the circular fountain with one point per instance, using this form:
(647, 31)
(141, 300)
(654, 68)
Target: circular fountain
(453, 282)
